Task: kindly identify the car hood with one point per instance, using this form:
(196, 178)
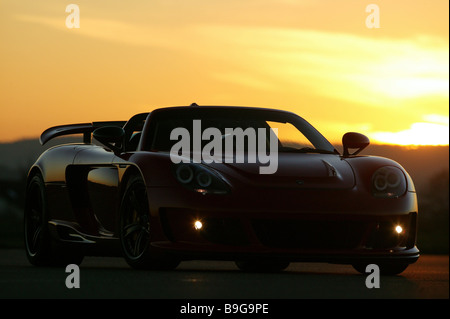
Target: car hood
(294, 170)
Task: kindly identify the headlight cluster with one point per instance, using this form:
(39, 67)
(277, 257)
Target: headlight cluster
(200, 179)
(388, 182)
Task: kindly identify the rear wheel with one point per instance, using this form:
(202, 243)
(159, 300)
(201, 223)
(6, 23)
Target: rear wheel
(135, 229)
(262, 265)
(40, 248)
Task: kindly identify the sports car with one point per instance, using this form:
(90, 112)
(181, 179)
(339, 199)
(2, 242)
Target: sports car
(261, 187)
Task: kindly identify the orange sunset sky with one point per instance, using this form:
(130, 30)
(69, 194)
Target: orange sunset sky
(315, 58)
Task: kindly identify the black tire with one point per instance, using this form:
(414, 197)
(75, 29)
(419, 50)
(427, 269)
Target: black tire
(262, 266)
(40, 248)
(386, 269)
(135, 230)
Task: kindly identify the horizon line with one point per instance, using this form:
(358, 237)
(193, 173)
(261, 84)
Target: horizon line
(334, 143)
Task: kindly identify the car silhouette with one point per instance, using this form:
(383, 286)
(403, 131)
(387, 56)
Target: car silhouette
(261, 187)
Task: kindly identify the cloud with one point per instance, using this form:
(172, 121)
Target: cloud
(374, 71)
(112, 31)
(341, 65)
(380, 72)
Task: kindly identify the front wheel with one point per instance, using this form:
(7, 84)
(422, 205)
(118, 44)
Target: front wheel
(135, 229)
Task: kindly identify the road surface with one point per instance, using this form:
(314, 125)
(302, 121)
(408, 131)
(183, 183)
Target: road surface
(101, 277)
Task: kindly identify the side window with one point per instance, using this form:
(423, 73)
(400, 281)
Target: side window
(133, 131)
(134, 141)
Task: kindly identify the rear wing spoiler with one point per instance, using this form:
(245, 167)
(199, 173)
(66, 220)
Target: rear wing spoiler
(84, 128)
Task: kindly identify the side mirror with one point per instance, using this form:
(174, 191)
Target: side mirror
(354, 140)
(110, 136)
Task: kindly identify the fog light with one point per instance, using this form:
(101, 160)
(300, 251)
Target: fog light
(198, 225)
(399, 229)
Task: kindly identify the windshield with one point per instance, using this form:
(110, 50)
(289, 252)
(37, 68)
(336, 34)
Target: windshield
(245, 128)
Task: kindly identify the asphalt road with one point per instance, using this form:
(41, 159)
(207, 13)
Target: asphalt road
(102, 277)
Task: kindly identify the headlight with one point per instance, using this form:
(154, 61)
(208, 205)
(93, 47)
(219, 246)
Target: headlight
(200, 179)
(204, 179)
(388, 182)
(184, 174)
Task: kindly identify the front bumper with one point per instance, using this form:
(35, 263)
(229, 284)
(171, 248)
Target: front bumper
(327, 238)
(233, 229)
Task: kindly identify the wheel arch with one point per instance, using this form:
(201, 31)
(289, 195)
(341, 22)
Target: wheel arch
(131, 171)
(34, 170)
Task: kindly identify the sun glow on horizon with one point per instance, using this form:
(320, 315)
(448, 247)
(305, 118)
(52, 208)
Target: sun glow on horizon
(434, 132)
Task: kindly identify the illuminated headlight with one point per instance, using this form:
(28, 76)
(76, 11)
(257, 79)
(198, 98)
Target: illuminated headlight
(198, 225)
(200, 179)
(399, 229)
(388, 182)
